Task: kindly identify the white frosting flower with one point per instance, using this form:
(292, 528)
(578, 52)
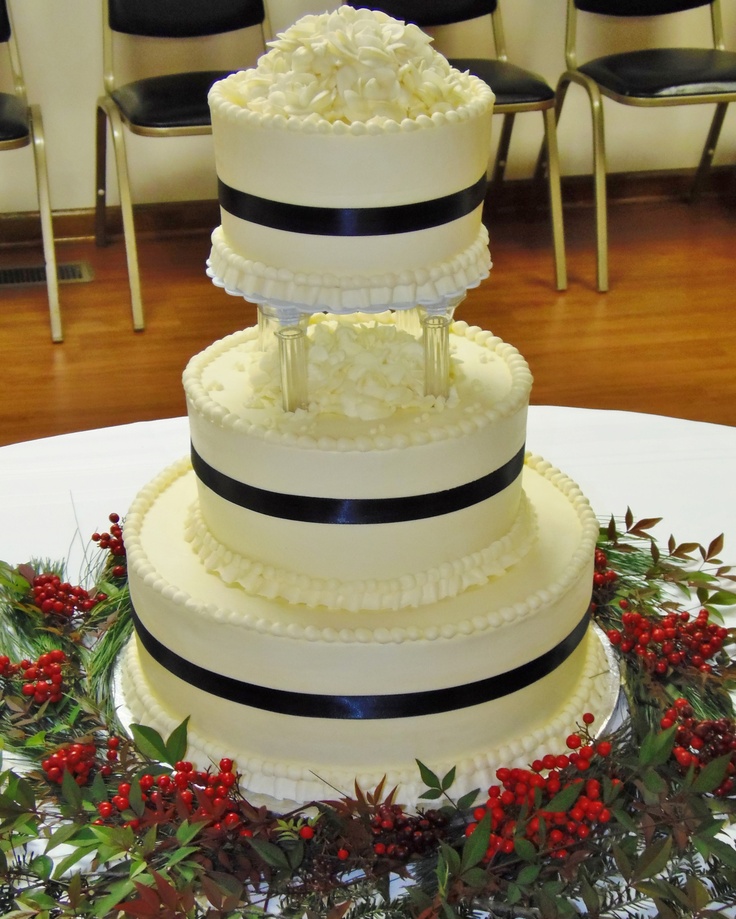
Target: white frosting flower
(351, 66)
(365, 370)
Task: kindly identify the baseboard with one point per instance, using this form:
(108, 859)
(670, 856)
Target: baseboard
(183, 217)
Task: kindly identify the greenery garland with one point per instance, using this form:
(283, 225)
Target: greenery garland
(100, 820)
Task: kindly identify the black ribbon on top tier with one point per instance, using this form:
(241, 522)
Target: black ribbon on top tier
(311, 509)
(361, 708)
(351, 221)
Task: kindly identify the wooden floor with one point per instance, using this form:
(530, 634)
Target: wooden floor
(663, 340)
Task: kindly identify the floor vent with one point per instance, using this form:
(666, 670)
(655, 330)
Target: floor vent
(67, 273)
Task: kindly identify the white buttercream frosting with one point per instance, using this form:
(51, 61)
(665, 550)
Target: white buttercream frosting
(596, 690)
(372, 629)
(363, 375)
(351, 66)
(351, 110)
(411, 590)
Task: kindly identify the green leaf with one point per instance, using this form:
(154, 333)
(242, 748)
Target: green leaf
(711, 775)
(467, 800)
(590, 896)
(654, 782)
(186, 831)
(525, 849)
(118, 892)
(722, 598)
(69, 861)
(622, 862)
(270, 853)
(528, 875)
(565, 798)
(475, 877)
(23, 793)
(135, 799)
(657, 747)
(150, 743)
(70, 791)
(428, 777)
(476, 845)
(716, 848)
(653, 859)
(178, 855)
(451, 858)
(448, 779)
(513, 894)
(698, 894)
(42, 865)
(176, 745)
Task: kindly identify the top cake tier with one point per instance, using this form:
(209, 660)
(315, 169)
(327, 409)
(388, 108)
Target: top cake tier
(351, 165)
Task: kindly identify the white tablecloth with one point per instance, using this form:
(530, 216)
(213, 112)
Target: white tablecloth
(683, 471)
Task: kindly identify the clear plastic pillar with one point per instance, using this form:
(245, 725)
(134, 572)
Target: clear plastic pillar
(436, 338)
(285, 329)
(292, 341)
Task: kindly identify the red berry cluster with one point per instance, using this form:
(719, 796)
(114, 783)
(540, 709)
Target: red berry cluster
(674, 640)
(195, 795)
(78, 758)
(42, 680)
(113, 542)
(398, 835)
(517, 805)
(603, 576)
(699, 742)
(58, 598)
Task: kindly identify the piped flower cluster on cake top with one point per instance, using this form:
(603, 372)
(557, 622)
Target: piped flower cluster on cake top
(351, 66)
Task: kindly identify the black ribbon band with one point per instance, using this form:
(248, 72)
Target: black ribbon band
(361, 708)
(357, 510)
(351, 221)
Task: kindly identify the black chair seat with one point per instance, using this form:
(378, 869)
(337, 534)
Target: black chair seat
(512, 85)
(665, 72)
(171, 101)
(13, 118)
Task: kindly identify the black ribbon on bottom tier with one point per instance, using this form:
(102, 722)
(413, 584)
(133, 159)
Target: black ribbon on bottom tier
(359, 708)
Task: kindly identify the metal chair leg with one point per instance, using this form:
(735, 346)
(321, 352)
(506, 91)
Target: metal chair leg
(555, 197)
(601, 203)
(599, 165)
(47, 230)
(708, 150)
(502, 152)
(126, 208)
(101, 175)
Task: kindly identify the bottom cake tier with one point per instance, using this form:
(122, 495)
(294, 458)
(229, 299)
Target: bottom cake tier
(307, 701)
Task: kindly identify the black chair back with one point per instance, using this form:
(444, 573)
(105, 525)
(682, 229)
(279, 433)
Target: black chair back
(431, 12)
(4, 22)
(183, 18)
(638, 7)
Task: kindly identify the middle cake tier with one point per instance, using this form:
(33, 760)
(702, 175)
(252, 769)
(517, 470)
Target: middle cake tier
(375, 497)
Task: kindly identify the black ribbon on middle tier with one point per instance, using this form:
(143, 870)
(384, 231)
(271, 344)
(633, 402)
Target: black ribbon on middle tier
(367, 707)
(310, 509)
(351, 221)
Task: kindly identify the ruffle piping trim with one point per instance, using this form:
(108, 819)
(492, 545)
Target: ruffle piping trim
(139, 563)
(411, 590)
(261, 283)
